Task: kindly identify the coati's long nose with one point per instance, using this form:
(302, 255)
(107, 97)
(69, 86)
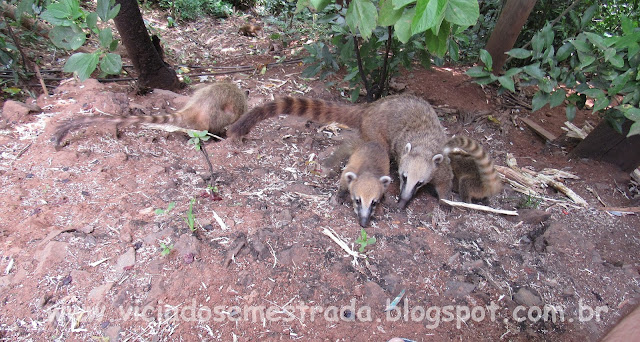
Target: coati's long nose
(364, 221)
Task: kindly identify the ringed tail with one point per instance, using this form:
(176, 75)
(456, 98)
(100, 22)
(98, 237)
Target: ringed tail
(312, 109)
(464, 146)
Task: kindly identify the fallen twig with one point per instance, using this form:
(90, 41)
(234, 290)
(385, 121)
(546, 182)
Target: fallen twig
(480, 207)
(621, 209)
(342, 244)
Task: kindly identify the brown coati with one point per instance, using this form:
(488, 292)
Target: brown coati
(406, 126)
(250, 30)
(473, 171)
(211, 108)
(365, 178)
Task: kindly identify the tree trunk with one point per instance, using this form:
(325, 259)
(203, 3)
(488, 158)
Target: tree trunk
(513, 17)
(151, 69)
(606, 144)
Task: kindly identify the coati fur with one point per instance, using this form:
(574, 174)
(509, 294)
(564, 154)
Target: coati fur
(211, 108)
(250, 30)
(406, 126)
(365, 178)
(475, 177)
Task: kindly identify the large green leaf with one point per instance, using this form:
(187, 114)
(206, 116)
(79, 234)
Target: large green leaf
(463, 13)
(320, 5)
(402, 27)
(539, 100)
(564, 51)
(571, 112)
(519, 53)
(362, 15)
(486, 58)
(111, 64)
(429, 15)
(389, 16)
(507, 82)
(557, 97)
(398, 4)
(106, 37)
(534, 71)
(437, 44)
(634, 129)
(67, 37)
(83, 64)
(632, 113)
(477, 71)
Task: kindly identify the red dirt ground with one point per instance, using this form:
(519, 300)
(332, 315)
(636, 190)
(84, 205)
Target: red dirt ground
(81, 242)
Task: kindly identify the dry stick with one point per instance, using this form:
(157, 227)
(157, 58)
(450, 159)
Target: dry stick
(206, 157)
(621, 209)
(480, 207)
(341, 243)
(361, 69)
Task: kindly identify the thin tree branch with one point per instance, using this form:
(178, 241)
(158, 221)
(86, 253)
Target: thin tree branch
(361, 69)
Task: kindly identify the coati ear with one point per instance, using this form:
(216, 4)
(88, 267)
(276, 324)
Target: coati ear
(350, 177)
(385, 180)
(407, 148)
(437, 159)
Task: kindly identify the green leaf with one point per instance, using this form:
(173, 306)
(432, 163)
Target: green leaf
(557, 98)
(571, 112)
(564, 51)
(539, 100)
(580, 44)
(92, 21)
(534, 71)
(429, 14)
(106, 37)
(507, 82)
(593, 92)
(388, 16)
(619, 82)
(398, 4)
(631, 113)
(355, 93)
(437, 44)
(463, 13)
(83, 64)
(320, 5)
(402, 28)
(600, 103)
(546, 85)
(111, 64)
(486, 58)
(585, 60)
(596, 39)
(67, 37)
(634, 129)
(537, 43)
(477, 71)
(512, 72)
(114, 11)
(102, 9)
(362, 15)
(547, 35)
(519, 53)
(588, 15)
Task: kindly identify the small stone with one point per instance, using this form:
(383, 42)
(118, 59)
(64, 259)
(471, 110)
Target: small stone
(375, 297)
(527, 298)
(126, 260)
(458, 289)
(97, 294)
(67, 280)
(53, 253)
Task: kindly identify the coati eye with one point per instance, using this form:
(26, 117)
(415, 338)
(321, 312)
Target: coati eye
(374, 203)
(404, 177)
(420, 184)
(357, 201)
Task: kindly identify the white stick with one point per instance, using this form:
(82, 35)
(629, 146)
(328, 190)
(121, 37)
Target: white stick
(219, 220)
(480, 207)
(341, 243)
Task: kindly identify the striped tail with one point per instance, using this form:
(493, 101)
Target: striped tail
(467, 147)
(70, 125)
(312, 109)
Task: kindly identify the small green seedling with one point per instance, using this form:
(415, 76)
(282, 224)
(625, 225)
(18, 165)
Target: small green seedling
(212, 189)
(197, 137)
(529, 202)
(364, 240)
(165, 249)
(164, 211)
(190, 219)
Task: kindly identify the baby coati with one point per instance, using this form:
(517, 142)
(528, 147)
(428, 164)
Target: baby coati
(365, 178)
(474, 174)
(406, 126)
(211, 108)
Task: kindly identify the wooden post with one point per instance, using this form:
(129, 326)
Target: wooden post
(513, 17)
(605, 144)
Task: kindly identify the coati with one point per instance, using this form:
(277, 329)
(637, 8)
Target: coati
(211, 108)
(406, 126)
(366, 178)
(250, 30)
(474, 174)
